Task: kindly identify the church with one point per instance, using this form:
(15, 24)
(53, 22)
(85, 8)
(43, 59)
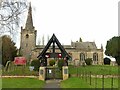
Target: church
(79, 51)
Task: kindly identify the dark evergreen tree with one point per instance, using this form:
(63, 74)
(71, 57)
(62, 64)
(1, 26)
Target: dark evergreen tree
(113, 48)
(9, 50)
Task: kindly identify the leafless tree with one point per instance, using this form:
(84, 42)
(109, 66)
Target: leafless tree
(43, 40)
(10, 15)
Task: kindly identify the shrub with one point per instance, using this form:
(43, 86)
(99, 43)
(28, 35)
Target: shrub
(36, 64)
(107, 61)
(60, 64)
(52, 62)
(88, 61)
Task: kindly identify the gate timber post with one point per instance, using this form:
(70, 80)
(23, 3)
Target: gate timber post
(42, 73)
(65, 72)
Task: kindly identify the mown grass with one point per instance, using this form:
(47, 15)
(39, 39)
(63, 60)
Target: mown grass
(22, 83)
(0, 83)
(19, 70)
(76, 82)
(108, 83)
(94, 69)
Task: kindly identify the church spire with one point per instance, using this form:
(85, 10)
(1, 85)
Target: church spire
(29, 22)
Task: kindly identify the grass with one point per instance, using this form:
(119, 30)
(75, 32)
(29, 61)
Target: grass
(95, 69)
(0, 83)
(73, 82)
(76, 82)
(22, 83)
(20, 70)
(107, 83)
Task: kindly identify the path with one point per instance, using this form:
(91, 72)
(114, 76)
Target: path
(52, 84)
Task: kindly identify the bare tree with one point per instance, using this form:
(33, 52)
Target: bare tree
(43, 40)
(10, 15)
(39, 41)
(48, 38)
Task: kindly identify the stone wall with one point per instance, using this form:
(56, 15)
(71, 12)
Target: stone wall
(76, 55)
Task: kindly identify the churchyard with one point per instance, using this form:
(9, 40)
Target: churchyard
(94, 76)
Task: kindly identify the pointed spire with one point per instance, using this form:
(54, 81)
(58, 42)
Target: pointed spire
(29, 22)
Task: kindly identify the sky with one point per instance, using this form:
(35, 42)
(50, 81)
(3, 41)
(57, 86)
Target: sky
(92, 20)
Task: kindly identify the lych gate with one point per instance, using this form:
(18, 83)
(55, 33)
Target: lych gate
(53, 73)
(43, 55)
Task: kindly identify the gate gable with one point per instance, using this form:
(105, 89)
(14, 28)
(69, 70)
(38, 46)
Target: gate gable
(53, 40)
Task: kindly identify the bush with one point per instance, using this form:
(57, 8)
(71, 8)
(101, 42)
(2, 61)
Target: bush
(52, 62)
(88, 61)
(36, 64)
(107, 61)
(60, 64)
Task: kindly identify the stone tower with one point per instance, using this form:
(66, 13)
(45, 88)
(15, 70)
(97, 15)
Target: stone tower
(28, 37)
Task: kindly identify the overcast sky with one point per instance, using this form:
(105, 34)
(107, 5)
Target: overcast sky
(92, 20)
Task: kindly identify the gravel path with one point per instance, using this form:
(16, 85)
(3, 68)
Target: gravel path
(52, 85)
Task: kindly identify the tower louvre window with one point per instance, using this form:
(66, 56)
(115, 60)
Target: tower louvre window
(27, 36)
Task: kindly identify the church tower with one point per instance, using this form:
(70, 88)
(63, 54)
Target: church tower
(28, 36)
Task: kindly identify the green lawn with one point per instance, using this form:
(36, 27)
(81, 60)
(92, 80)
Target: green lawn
(72, 82)
(20, 70)
(22, 83)
(75, 82)
(94, 69)
(107, 83)
(0, 83)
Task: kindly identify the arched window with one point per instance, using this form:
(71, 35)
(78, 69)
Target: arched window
(82, 57)
(95, 56)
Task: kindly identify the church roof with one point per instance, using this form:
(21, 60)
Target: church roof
(76, 45)
(65, 46)
(84, 45)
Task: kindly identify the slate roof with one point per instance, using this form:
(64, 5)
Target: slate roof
(84, 45)
(76, 45)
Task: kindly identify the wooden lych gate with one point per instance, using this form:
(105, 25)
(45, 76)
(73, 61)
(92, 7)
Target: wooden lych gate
(53, 72)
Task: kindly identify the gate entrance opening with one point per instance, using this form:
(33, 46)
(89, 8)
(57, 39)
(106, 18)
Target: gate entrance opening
(53, 73)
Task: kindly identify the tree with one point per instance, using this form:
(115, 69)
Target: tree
(60, 64)
(10, 14)
(113, 48)
(36, 64)
(9, 50)
(43, 40)
(80, 40)
(88, 61)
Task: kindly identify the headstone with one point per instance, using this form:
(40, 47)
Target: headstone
(31, 68)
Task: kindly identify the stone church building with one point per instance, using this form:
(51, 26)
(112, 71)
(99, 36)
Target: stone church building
(79, 51)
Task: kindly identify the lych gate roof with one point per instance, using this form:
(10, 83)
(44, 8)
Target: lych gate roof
(53, 41)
